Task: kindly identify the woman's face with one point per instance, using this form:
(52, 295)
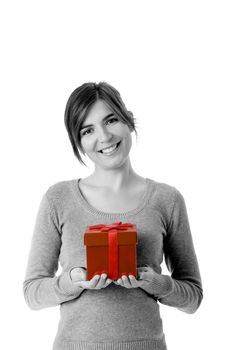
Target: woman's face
(102, 129)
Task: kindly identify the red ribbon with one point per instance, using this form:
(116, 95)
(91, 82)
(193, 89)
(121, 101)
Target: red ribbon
(112, 243)
(114, 225)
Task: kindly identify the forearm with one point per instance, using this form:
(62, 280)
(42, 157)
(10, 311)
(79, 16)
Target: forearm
(184, 295)
(186, 292)
(41, 287)
(45, 292)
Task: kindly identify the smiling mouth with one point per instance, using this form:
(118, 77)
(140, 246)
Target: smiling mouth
(116, 146)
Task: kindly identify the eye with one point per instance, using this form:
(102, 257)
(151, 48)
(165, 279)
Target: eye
(112, 119)
(85, 132)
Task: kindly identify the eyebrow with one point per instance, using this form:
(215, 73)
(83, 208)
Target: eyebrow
(107, 116)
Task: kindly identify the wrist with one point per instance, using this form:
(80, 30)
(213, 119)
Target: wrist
(67, 284)
(160, 286)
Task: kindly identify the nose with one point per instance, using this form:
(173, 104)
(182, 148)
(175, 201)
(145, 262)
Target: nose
(104, 135)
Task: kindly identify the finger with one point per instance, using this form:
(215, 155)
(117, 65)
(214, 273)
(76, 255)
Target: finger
(135, 283)
(107, 282)
(116, 282)
(141, 275)
(101, 281)
(126, 282)
(145, 276)
(94, 281)
(119, 282)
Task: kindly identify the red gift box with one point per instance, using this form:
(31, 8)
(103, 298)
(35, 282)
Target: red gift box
(111, 249)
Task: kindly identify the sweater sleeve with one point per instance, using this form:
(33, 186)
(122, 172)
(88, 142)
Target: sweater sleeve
(183, 289)
(41, 287)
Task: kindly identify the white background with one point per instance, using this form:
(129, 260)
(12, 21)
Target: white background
(172, 63)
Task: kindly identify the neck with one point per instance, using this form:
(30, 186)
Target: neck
(113, 179)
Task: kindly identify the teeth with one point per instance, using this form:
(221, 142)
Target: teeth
(110, 149)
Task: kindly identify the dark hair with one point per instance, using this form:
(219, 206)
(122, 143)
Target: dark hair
(79, 104)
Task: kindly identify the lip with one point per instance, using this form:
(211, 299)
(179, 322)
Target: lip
(112, 152)
(113, 144)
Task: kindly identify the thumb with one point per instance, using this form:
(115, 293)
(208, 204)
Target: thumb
(143, 268)
(79, 273)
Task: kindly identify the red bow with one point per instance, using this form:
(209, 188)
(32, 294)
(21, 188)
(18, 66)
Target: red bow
(114, 225)
(112, 244)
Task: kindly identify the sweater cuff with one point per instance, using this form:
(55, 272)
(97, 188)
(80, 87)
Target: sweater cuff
(160, 286)
(67, 285)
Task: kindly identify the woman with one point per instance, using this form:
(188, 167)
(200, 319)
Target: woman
(101, 313)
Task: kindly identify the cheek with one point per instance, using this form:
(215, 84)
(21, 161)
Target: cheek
(86, 144)
(128, 141)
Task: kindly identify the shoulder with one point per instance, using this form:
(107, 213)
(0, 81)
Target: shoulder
(60, 191)
(164, 196)
(164, 190)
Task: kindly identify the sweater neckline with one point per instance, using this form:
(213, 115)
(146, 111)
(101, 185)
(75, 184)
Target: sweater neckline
(89, 207)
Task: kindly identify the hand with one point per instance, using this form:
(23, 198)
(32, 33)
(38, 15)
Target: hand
(79, 276)
(145, 277)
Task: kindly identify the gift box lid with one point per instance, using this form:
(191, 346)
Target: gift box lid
(100, 238)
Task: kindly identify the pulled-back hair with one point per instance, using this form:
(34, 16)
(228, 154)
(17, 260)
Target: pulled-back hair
(79, 104)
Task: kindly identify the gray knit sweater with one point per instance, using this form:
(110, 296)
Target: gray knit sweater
(115, 317)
